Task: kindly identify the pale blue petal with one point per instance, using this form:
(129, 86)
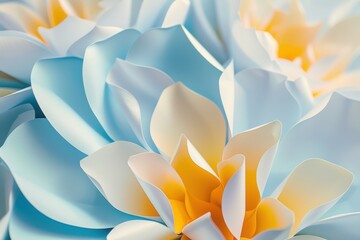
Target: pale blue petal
(331, 131)
(338, 227)
(62, 98)
(145, 86)
(175, 52)
(47, 171)
(261, 97)
(152, 13)
(202, 24)
(16, 98)
(20, 48)
(98, 61)
(28, 223)
(6, 199)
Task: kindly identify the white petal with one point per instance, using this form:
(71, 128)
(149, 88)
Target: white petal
(20, 48)
(177, 13)
(110, 172)
(140, 229)
(203, 228)
(62, 36)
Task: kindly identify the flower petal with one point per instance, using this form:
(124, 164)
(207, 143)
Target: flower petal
(98, 61)
(198, 177)
(203, 228)
(54, 87)
(177, 13)
(318, 185)
(258, 145)
(183, 112)
(306, 237)
(138, 229)
(163, 186)
(6, 199)
(331, 131)
(260, 97)
(28, 223)
(232, 173)
(20, 48)
(177, 53)
(109, 170)
(279, 227)
(52, 180)
(144, 85)
(338, 227)
(62, 36)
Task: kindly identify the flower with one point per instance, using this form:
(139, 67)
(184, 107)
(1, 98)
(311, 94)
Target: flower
(209, 190)
(266, 34)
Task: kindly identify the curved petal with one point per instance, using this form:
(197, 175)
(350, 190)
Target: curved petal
(262, 96)
(98, 61)
(183, 112)
(151, 14)
(17, 47)
(198, 177)
(13, 117)
(253, 48)
(28, 223)
(331, 131)
(62, 36)
(145, 85)
(232, 173)
(52, 180)
(279, 227)
(203, 228)
(139, 229)
(177, 13)
(108, 169)
(177, 53)
(54, 87)
(17, 98)
(318, 185)
(337, 227)
(163, 186)
(6, 199)
(258, 145)
(98, 33)
(306, 237)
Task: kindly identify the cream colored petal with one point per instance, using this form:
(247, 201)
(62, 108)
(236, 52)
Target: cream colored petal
(198, 177)
(108, 169)
(203, 228)
(258, 145)
(177, 13)
(232, 174)
(312, 189)
(180, 111)
(163, 186)
(141, 229)
(341, 37)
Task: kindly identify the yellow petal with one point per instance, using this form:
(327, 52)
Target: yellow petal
(163, 186)
(254, 144)
(314, 185)
(183, 112)
(197, 176)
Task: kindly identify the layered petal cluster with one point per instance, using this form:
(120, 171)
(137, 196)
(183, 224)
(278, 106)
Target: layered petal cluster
(162, 119)
(209, 188)
(291, 37)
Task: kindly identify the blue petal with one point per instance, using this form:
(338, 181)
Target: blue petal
(261, 97)
(175, 52)
(62, 98)
(332, 132)
(48, 173)
(28, 223)
(6, 199)
(338, 227)
(137, 87)
(98, 61)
